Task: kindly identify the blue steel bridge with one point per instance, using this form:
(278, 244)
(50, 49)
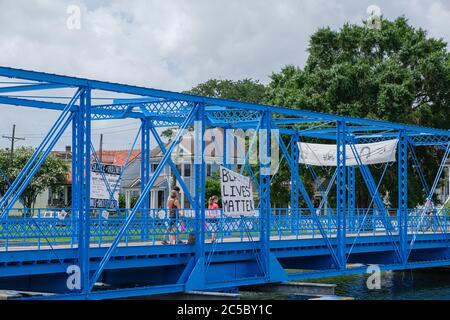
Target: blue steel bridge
(124, 251)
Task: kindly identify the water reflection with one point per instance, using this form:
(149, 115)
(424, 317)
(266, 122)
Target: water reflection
(395, 285)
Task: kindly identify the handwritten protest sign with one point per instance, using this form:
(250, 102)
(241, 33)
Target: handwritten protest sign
(237, 194)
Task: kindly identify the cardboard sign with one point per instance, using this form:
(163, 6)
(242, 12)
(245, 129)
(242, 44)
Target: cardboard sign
(100, 196)
(237, 194)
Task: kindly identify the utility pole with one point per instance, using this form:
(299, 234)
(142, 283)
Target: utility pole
(13, 139)
(101, 148)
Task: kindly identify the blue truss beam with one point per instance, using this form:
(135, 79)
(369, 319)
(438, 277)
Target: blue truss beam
(33, 87)
(295, 156)
(403, 195)
(148, 92)
(81, 171)
(429, 199)
(373, 190)
(138, 204)
(33, 103)
(172, 165)
(341, 192)
(145, 172)
(418, 168)
(38, 157)
(264, 190)
(309, 204)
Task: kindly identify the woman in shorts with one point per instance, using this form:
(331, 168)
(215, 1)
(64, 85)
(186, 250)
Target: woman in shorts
(213, 216)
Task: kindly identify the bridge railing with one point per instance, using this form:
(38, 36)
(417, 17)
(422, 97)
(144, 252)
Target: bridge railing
(58, 228)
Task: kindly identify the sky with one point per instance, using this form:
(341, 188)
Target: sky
(172, 45)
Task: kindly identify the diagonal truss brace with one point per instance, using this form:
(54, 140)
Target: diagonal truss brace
(429, 198)
(309, 203)
(171, 164)
(37, 159)
(373, 190)
(144, 192)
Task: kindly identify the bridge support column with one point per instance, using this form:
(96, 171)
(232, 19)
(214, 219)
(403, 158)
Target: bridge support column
(341, 194)
(145, 175)
(402, 213)
(227, 150)
(351, 196)
(197, 278)
(264, 190)
(295, 193)
(81, 168)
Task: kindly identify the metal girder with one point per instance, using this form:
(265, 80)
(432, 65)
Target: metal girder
(200, 180)
(429, 199)
(39, 155)
(414, 138)
(341, 192)
(34, 103)
(230, 117)
(148, 92)
(403, 194)
(32, 87)
(81, 171)
(172, 165)
(309, 204)
(418, 167)
(295, 156)
(138, 204)
(264, 190)
(246, 165)
(145, 172)
(287, 121)
(373, 190)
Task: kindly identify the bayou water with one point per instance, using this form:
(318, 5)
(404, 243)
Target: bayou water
(420, 284)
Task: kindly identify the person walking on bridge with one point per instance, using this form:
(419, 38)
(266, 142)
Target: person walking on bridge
(213, 216)
(173, 205)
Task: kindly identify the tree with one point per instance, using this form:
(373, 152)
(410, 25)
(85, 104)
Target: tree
(394, 73)
(246, 90)
(212, 188)
(52, 173)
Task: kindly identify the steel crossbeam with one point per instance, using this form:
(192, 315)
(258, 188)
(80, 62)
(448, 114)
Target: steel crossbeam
(141, 198)
(158, 109)
(373, 190)
(309, 204)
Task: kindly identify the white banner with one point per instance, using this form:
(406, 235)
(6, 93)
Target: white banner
(237, 194)
(369, 153)
(100, 195)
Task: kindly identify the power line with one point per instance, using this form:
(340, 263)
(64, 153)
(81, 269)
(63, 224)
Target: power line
(13, 139)
(38, 135)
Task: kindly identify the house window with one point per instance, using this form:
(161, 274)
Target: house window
(154, 166)
(187, 170)
(208, 170)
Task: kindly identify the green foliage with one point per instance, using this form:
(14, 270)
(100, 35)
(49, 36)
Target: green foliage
(395, 73)
(168, 134)
(133, 201)
(51, 174)
(213, 188)
(247, 90)
(122, 201)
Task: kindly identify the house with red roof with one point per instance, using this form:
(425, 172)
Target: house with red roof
(130, 182)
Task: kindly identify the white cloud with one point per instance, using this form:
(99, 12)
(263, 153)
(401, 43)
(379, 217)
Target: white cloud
(176, 44)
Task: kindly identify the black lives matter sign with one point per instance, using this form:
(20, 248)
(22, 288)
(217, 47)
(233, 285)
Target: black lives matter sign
(237, 194)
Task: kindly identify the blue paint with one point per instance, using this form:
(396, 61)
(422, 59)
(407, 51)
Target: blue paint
(251, 250)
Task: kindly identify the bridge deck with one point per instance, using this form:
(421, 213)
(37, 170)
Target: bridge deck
(105, 244)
